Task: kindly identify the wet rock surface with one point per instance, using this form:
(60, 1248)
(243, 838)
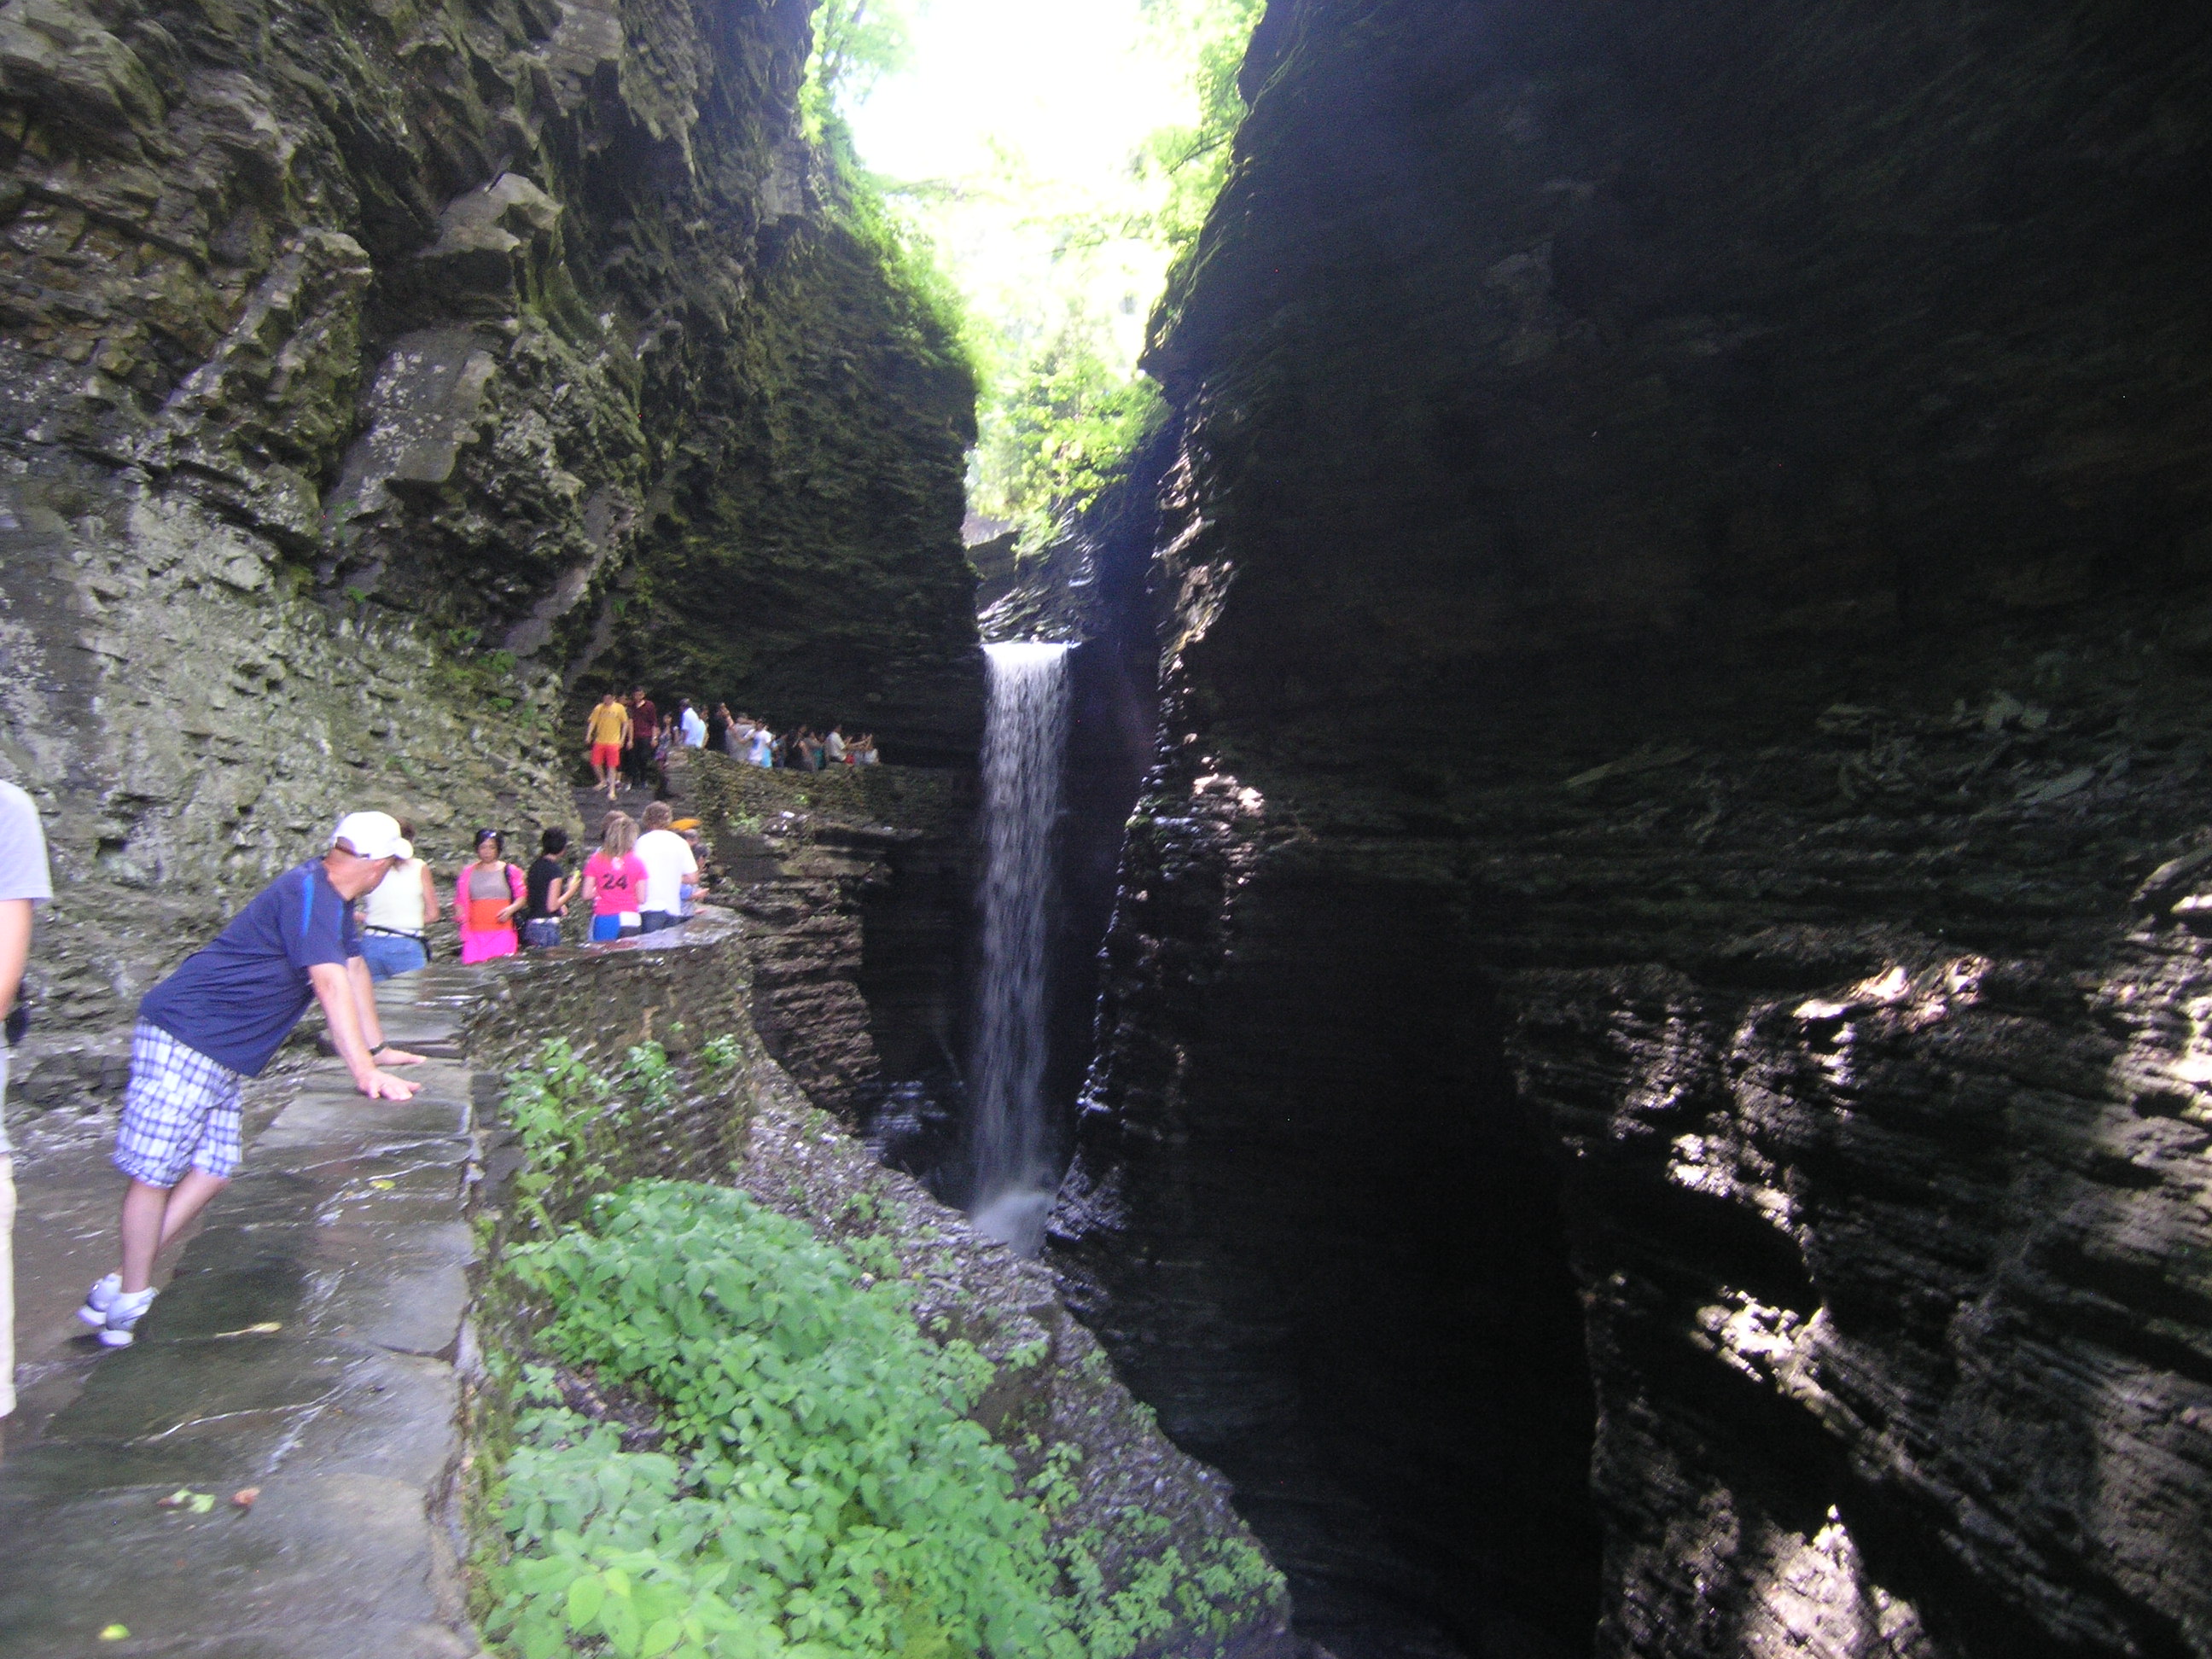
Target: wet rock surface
(305, 1346)
(1670, 715)
(315, 1343)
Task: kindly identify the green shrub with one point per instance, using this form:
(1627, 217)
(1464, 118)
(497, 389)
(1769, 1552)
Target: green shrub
(832, 1498)
(822, 1492)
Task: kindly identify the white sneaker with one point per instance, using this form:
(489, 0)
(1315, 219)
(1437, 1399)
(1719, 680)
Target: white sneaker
(120, 1329)
(100, 1298)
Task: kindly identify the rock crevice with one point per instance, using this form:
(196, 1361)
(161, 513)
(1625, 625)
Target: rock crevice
(1686, 591)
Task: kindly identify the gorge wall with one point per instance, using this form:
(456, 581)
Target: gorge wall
(374, 376)
(1648, 1082)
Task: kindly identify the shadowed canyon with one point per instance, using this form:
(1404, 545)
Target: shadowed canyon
(1615, 943)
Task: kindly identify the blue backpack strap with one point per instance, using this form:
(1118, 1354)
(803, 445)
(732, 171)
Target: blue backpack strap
(307, 901)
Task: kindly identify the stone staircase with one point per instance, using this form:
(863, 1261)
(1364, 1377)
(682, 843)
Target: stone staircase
(592, 806)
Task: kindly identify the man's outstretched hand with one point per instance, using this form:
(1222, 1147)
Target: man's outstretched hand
(382, 1086)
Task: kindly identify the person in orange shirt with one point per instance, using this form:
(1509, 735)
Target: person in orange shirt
(607, 728)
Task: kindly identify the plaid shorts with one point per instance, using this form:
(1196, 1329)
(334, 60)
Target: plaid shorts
(180, 1111)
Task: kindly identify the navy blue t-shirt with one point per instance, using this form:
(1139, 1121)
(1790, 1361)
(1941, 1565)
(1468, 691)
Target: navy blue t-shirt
(238, 997)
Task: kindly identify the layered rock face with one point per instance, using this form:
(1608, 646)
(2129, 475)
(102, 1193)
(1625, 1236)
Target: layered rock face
(370, 377)
(1687, 572)
(859, 884)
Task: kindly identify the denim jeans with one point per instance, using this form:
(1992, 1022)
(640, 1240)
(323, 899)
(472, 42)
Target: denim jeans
(389, 954)
(652, 921)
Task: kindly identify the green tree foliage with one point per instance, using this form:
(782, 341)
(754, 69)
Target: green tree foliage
(1060, 425)
(856, 44)
(1210, 35)
(1063, 413)
(1061, 404)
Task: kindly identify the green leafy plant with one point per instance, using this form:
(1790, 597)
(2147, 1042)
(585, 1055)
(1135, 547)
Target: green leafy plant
(856, 44)
(1058, 429)
(833, 1490)
(1193, 159)
(819, 1489)
(577, 1127)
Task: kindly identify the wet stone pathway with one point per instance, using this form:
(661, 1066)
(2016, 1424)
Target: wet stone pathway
(306, 1345)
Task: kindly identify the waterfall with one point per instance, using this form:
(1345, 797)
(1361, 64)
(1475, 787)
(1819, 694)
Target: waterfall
(1010, 1140)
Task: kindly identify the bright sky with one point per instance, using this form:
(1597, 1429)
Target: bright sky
(1063, 90)
(1063, 83)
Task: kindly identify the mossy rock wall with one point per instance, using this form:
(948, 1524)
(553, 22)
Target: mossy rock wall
(373, 379)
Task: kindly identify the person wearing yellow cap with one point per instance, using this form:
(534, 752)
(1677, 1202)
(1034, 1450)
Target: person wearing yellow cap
(216, 1021)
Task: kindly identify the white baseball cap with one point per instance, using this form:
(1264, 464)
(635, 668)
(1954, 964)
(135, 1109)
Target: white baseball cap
(372, 835)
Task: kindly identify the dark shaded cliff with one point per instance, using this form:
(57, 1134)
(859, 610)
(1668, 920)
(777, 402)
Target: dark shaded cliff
(1688, 573)
(372, 377)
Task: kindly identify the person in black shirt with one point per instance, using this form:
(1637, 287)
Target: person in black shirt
(547, 890)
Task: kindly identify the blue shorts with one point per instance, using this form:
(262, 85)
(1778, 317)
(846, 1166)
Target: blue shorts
(604, 928)
(389, 955)
(180, 1112)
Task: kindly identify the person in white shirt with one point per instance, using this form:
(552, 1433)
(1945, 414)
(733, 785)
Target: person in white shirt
(833, 747)
(668, 860)
(693, 727)
(395, 916)
(25, 884)
(762, 746)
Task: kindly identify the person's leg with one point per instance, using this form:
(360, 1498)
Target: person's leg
(154, 1216)
(144, 1213)
(177, 1142)
(186, 1200)
(7, 1281)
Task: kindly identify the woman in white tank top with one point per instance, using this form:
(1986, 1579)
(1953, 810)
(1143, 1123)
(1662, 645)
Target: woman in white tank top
(394, 916)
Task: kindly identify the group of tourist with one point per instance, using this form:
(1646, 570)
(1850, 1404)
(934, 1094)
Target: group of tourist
(628, 740)
(325, 931)
(644, 877)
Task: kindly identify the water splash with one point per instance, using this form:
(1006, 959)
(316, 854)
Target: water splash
(1024, 741)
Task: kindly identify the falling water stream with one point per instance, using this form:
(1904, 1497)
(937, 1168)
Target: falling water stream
(1011, 1145)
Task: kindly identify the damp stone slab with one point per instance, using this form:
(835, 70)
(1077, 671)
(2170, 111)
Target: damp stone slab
(305, 1346)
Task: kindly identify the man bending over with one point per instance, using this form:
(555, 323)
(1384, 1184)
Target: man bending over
(216, 1022)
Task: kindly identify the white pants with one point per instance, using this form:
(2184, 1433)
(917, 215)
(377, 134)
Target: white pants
(7, 1258)
(7, 1285)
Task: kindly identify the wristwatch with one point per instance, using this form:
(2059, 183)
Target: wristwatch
(377, 1049)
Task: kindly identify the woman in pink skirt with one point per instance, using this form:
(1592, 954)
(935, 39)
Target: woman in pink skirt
(486, 896)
